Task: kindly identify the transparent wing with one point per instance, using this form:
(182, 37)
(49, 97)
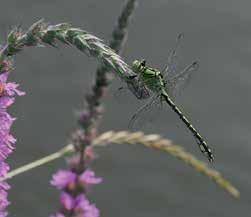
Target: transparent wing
(134, 85)
(144, 114)
(138, 88)
(120, 94)
(176, 79)
(172, 60)
(177, 82)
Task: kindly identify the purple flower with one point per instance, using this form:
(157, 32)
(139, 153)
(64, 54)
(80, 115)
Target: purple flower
(83, 208)
(5, 65)
(3, 200)
(9, 88)
(4, 186)
(6, 121)
(6, 101)
(4, 168)
(88, 177)
(89, 155)
(6, 145)
(4, 77)
(78, 206)
(73, 199)
(74, 183)
(91, 211)
(67, 201)
(3, 214)
(73, 161)
(63, 178)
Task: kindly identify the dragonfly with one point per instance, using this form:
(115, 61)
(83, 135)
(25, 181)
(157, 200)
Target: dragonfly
(160, 85)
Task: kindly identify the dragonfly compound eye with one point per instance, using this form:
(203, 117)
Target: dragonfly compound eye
(136, 66)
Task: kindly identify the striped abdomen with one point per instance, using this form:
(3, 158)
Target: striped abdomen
(200, 141)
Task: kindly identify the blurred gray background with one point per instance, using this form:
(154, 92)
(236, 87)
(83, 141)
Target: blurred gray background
(137, 181)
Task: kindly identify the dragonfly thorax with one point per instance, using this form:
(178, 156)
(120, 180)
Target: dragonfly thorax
(151, 77)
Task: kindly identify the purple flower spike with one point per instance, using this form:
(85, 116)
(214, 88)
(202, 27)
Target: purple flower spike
(8, 91)
(63, 179)
(73, 200)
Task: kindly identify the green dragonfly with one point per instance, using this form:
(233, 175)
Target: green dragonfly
(160, 86)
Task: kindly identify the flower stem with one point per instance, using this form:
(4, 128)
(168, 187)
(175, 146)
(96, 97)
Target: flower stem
(62, 152)
(153, 141)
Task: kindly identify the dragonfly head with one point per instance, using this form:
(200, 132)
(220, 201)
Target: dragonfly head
(137, 65)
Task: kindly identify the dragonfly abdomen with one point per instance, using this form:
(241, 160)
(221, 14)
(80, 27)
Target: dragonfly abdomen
(204, 148)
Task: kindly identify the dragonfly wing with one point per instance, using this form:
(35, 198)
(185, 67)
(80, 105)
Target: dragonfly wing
(175, 78)
(180, 80)
(120, 94)
(138, 88)
(141, 116)
(172, 60)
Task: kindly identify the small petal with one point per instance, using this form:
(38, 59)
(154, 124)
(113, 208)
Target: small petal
(11, 89)
(4, 186)
(4, 168)
(6, 145)
(73, 161)
(67, 201)
(84, 208)
(3, 214)
(3, 200)
(6, 101)
(89, 154)
(88, 177)
(63, 178)
(4, 77)
(6, 121)
(81, 203)
(92, 211)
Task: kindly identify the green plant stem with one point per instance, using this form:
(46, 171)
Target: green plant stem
(41, 33)
(153, 141)
(66, 150)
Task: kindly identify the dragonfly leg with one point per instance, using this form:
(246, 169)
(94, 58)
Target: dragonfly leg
(131, 77)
